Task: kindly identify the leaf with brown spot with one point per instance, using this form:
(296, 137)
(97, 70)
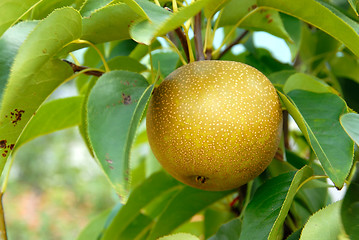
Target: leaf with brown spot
(112, 129)
(35, 75)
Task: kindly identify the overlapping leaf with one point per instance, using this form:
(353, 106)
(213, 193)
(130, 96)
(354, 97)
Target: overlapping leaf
(265, 214)
(94, 228)
(321, 15)
(323, 224)
(179, 236)
(182, 207)
(350, 208)
(346, 66)
(91, 6)
(355, 6)
(305, 82)
(12, 10)
(230, 230)
(35, 74)
(10, 43)
(322, 129)
(45, 7)
(154, 187)
(109, 23)
(350, 123)
(115, 108)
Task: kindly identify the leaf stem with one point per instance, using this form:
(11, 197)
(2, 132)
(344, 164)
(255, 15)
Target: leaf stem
(151, 61)
(176, 50)
(290, 223)
(198, 37)
(247, 199)
(309, 179)
(174, 5)
(190, 52)
(157, 3)
(3, 234)
(208, 47)
(74, 58)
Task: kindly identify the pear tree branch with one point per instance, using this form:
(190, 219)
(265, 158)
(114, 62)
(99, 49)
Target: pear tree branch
(235, 42)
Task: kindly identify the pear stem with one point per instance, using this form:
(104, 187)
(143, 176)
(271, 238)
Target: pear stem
(198, 37)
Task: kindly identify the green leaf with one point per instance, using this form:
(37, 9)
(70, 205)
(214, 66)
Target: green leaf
(295, 235)
(94, 228)
(246, 14)
(105, 24)
(11, 12)
(322, 130)
(126, 63)
(346, 66)
(179, 236)
(166, 62)
(182, 207)
(229, 230)
(305, 82)
(137, 228)
(115, 107)
(141, 50)
(161, 21)
(146, 9)
(45, 7)
(261, 59)
(152, 188)
(122, 48)
(322, 16)
(293, 26)
(265, 214)
(355, 6)
(90, 6)
(279, 78)
(214, 217)
(350, 123)
(211, 9)
(10, 43)
(350, 207)
(35, 73)
(324, 224)
(53, 116)
(316, 47)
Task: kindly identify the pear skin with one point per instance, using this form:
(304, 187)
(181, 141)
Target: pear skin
(214, 125)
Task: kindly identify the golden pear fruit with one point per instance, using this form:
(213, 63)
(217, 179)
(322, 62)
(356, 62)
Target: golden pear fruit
(214, 125)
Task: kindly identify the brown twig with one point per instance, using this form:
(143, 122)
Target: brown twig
(77, 68)
(198, 37)
(3, 234)
(181, 36)
(235, 42)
